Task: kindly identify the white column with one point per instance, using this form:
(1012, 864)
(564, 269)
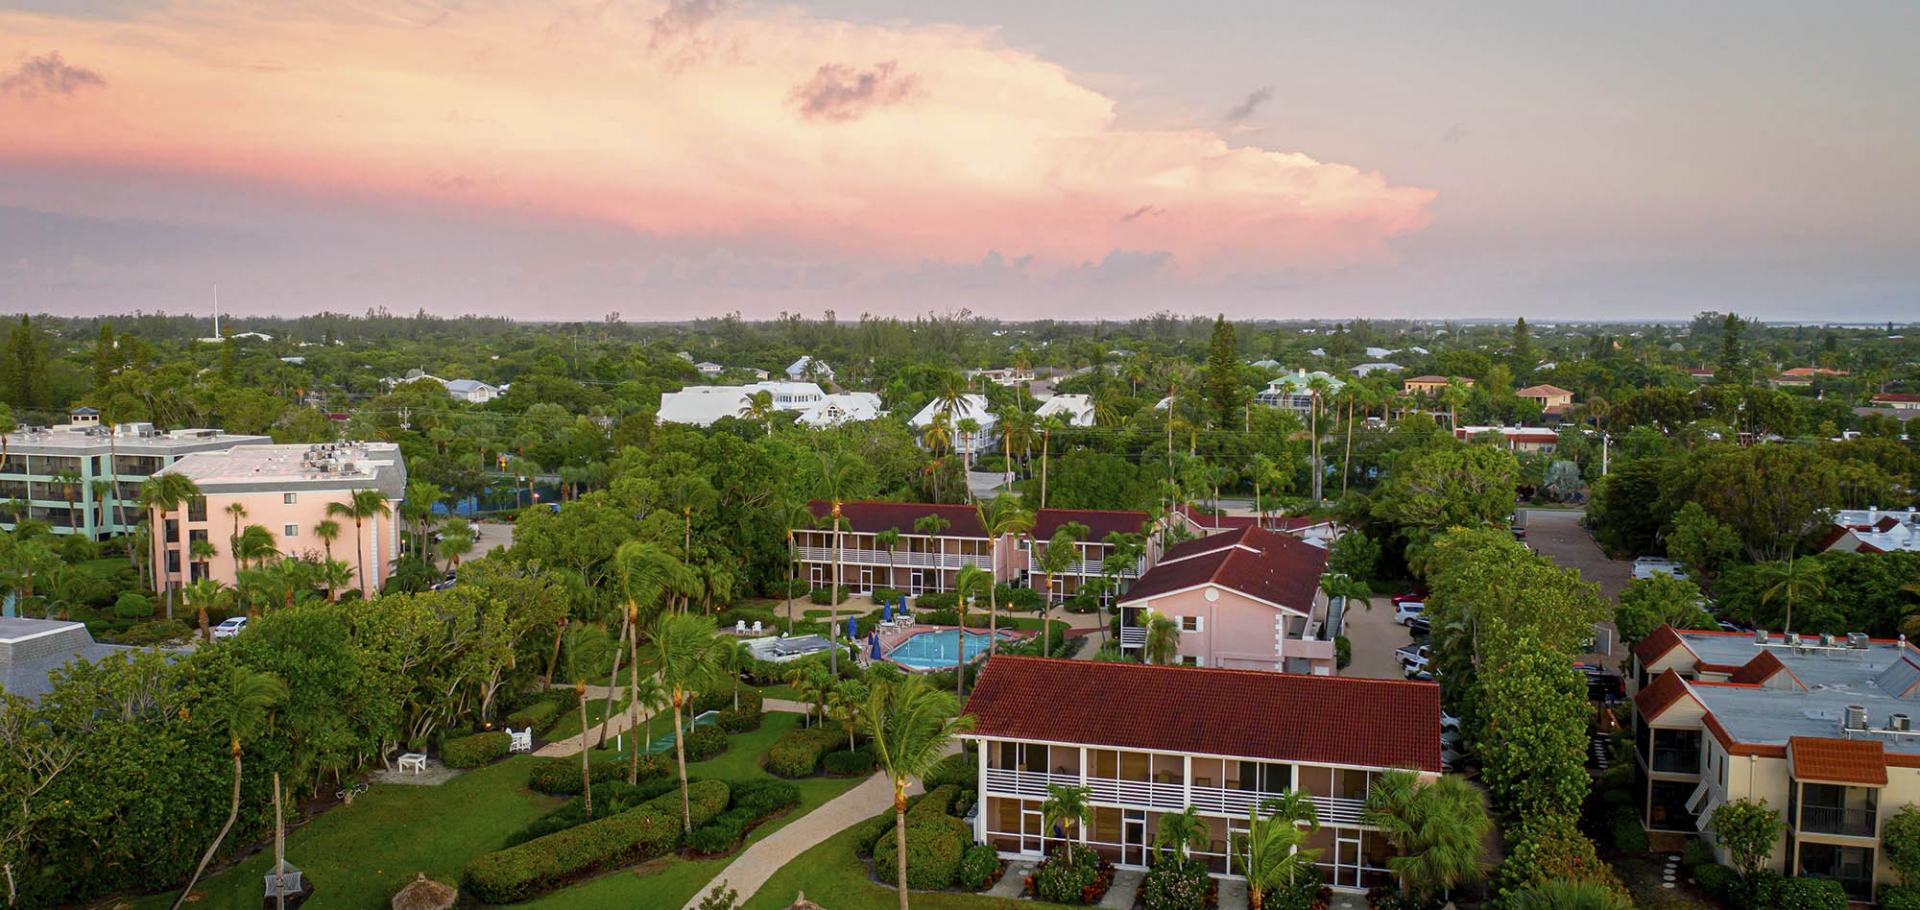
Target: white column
(1083, 785)
(980, 817)
(1186, 780)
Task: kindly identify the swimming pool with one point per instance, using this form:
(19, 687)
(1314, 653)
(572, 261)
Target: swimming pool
(935, 650)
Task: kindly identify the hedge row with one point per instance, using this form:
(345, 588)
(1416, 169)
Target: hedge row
(797, 752)
(705, 742)
(751, 701)
(844, 763)
(753, 802)
(936, 842)
(610, 798)
(540, 865)
(476, 750)
(561, 776)
(543, 712)
(739, 721)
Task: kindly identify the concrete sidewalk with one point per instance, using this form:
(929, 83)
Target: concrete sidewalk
(760, 860)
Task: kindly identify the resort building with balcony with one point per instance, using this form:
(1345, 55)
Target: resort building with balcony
(1220, 741)
(63, 472)
(1247, 599)
(1090, 553)
(1818, 726)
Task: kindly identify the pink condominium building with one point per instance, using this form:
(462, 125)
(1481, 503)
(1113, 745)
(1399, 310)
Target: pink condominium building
(286, 489)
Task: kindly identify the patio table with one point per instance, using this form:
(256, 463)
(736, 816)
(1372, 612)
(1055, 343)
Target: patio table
(415, 762)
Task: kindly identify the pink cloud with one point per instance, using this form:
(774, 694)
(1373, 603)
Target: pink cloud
(687, 120)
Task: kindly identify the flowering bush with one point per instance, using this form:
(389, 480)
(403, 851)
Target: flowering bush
(1177, 884)
(1084, 882)
(979, 867)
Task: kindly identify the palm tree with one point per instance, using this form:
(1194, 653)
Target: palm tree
(1347, 588)
(1066, 807)
(845, 700)
(240, 710)
(646, 573)
(362, 505)
(1567, 895)
(969, 429)
(328, 531)
(586, 654)
(69, 482)
(1062, 552)
(255, 545)
(1436, 828)
(201, 595)
(457, 540)
(759, 407)
(910, 725)
(889, 538)
(1794, 578)
(202, 552)
(237, 510)
(160, 494)
(102, 495)
(418, 508)
(1270, 852)
(1163, 639)
(837, 471)
(932, 526)
(796, 511)
(1182, 831)
(1319, 387)
(1351, 393)
(1047, 426)
(647, 696)
(334, 574)
(967, 584)
(687, 654)
(1003, 516)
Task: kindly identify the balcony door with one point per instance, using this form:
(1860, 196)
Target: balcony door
(866, 579)
(1133, 838)
(1033, 831)
(916, 582)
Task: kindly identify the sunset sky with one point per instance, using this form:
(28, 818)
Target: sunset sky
(554, 159)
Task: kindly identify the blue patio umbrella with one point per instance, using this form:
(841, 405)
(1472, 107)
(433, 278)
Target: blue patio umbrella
(875, 640)
(853, 632)
(886, 610)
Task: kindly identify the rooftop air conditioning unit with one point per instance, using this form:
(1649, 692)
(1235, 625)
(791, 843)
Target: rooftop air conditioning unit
(1759, 636)
(1793, 639)
(1857, 640)
(1856, 718)
(1826, 639)
(1899, 722)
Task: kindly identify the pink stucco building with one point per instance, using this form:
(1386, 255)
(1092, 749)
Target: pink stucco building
(1246, 599)
(286, 489)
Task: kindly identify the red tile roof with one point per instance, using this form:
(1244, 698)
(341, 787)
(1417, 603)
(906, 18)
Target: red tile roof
(1099, 522)
(1256, 562)
(1840, 761)
(1248, 713)
(1541, 391)
(1657, 644)
(874, 517)
(1659, 695)
(1897, 398)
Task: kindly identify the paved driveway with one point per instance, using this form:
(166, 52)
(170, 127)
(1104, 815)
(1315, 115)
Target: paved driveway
(1556, 534)
(1374, 636)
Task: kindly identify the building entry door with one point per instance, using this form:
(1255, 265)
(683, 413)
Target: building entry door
(1133, 838)
(1033, 832)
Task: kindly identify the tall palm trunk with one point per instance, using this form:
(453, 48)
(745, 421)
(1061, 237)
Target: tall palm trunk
(993, 609)
(1346, 464)
(633, 689)
(360, 552)
(900, 842)
(1044, 439)
(586, 774)
(233, 812)
(613, 682)
(680, 756)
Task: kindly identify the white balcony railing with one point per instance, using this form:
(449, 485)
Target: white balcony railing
(1088, 568)
(1159, 796)
(1132, 637)
(902, 559)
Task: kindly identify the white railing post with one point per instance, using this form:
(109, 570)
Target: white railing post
(980, 817)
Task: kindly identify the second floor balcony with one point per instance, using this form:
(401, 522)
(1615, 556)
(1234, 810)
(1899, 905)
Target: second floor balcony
(855, 556)
(1161, 796)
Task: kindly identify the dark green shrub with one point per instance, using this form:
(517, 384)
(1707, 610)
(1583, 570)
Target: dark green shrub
(1016, 600)
(1697, 853)
(1388, 897)
(1342, 652)
(942, 600)
(824, 596)
(961, 770)
(476, 750)
(722, 700)
(869, 831)
(704, 742)
(1895, 897)
(719, 835)
(763, 798)
(847, 764)
(540, 715)
(521, 872)
(133, 605)
(1175, 884)
(1715, 879)
(1623, 828)
(1084, 882)
(1799, 893)
(935, 842)
(739, 721)
(561, 776)
(609, 798)
(887, 595)
(979, 867)
(797, 752)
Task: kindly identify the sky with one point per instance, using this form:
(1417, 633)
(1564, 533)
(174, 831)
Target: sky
(665, 159)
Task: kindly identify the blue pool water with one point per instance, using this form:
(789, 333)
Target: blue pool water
(935, 650)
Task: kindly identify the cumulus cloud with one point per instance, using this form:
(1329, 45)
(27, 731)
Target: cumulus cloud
(839, 92)
(981, 147)
(49, 75)
(1252, 103)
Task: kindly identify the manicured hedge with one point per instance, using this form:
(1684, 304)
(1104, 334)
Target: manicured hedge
(750, 700)
(943, 600)
(960, 769)
(476, 750)
(561, 776)
(848, 764)
(797, 752)
(739, 721)
(979, 867)
(752, 803)
(824, 595)
(935, 844)
(609, 798)
(704, 742)
(540, 715)
(540, 865)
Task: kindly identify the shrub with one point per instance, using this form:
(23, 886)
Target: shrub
(1715, 879)
(1623, 828)
(869, 831)
(739, 721)
(1549, 848)
(149, 633)
(1176, 884)
(935, 842)
(1342, 652)
(476, 750)
(887, 595)
(942, 600)
(1896, 897)
(763, 797)
(979, 867)
(1085, 882)
(520, 872)
(961, 770)
(609, 798)
(719, 835)
(539, 715)
(750, 701)
(704, 742)
(561, 776)
(847, 764)
(797, 752)
(1697, 853)
(824, 596)
(1802, 893)
(133, 605)
(1017, 600)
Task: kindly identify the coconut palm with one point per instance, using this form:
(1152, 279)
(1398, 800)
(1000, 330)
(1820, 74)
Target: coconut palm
(795, 512)
(889, 538)
(1002, 517)
(160, 494)
(102, 498)
(457, 540)
(910, 725)
(1181, 831)
(1047, 426)
(236, 511)
(1163, 639)
(1347, 588)
(202, 552)
(1066, 807)
(239, 709)
(1794, 578)
(967, 584)
(1436, 828)
(687, 654)
(201, 596)
(1270, 852)
(328, 531)
(69, 482)
(932, 526)
(586, 653)
(255, 545)
(334, 574)
(969, 430)
(362, 505)
(1062, 552)
(759, 407)
(1319, 388)
(838, 471)
(646, 574)
(648, 697)
(845, 700)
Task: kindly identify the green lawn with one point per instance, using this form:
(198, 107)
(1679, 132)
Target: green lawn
(358, 856)
(831, 872)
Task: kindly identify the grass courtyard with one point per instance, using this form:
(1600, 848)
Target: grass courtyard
(833, 873)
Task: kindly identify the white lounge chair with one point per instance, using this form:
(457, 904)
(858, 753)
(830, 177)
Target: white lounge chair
(522, 741)
(740, 628)
(756, 627)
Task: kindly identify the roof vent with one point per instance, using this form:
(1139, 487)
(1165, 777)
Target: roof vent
(1793, 639)
(1899, 723)
(1826, 639)
(1857, 641)
(1759, 636)
(1856, 718)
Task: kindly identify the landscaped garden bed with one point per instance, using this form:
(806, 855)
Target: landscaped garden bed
(1074, 875)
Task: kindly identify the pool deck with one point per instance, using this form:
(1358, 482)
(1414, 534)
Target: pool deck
(890, 638)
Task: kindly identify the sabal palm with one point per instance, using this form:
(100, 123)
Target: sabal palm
(1436, 827)
(1163, 639)
(201, 596)
(160, 494)
(255, 546)
(334, 574)
(890, 539)
(1182, 831)
(1066, 806)
(328, 531)
(236, 511)
(239, 708)
(687, 654)
(845, 700)
(1796, 577)
(362, 505)
(910, 726)
(1001, 516)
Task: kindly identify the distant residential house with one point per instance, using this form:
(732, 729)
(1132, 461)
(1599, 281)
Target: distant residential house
(1519, 440)
(1801, 377)
(1367, 368)
(1872, 531)
(972, 406)
(472, 391)
(1321, 532)
(809, 369)
(1248, 599)
(1076, 409)
(1291, 392)
(1546, 396)
(1897, 401)
(1006, 376)
(1699, 374)
(709, 368)
(1381, 353)
(1426, 385)
(845, 407)
(701, 405)
(1145, 742)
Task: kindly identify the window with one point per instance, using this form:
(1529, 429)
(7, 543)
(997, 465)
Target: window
(292, 530)
(1190, 661)
(1852, 867)
(1189, 623)
(289, 499)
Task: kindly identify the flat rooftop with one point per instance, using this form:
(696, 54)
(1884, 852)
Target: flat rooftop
(78, 440)
(275, 468)
(31, 649)
(1883, 677)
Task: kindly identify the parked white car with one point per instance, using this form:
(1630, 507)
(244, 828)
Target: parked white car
(1413, 658)
(1646, 566)
(1407, 610)
(1449, 722)
(231, 627)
